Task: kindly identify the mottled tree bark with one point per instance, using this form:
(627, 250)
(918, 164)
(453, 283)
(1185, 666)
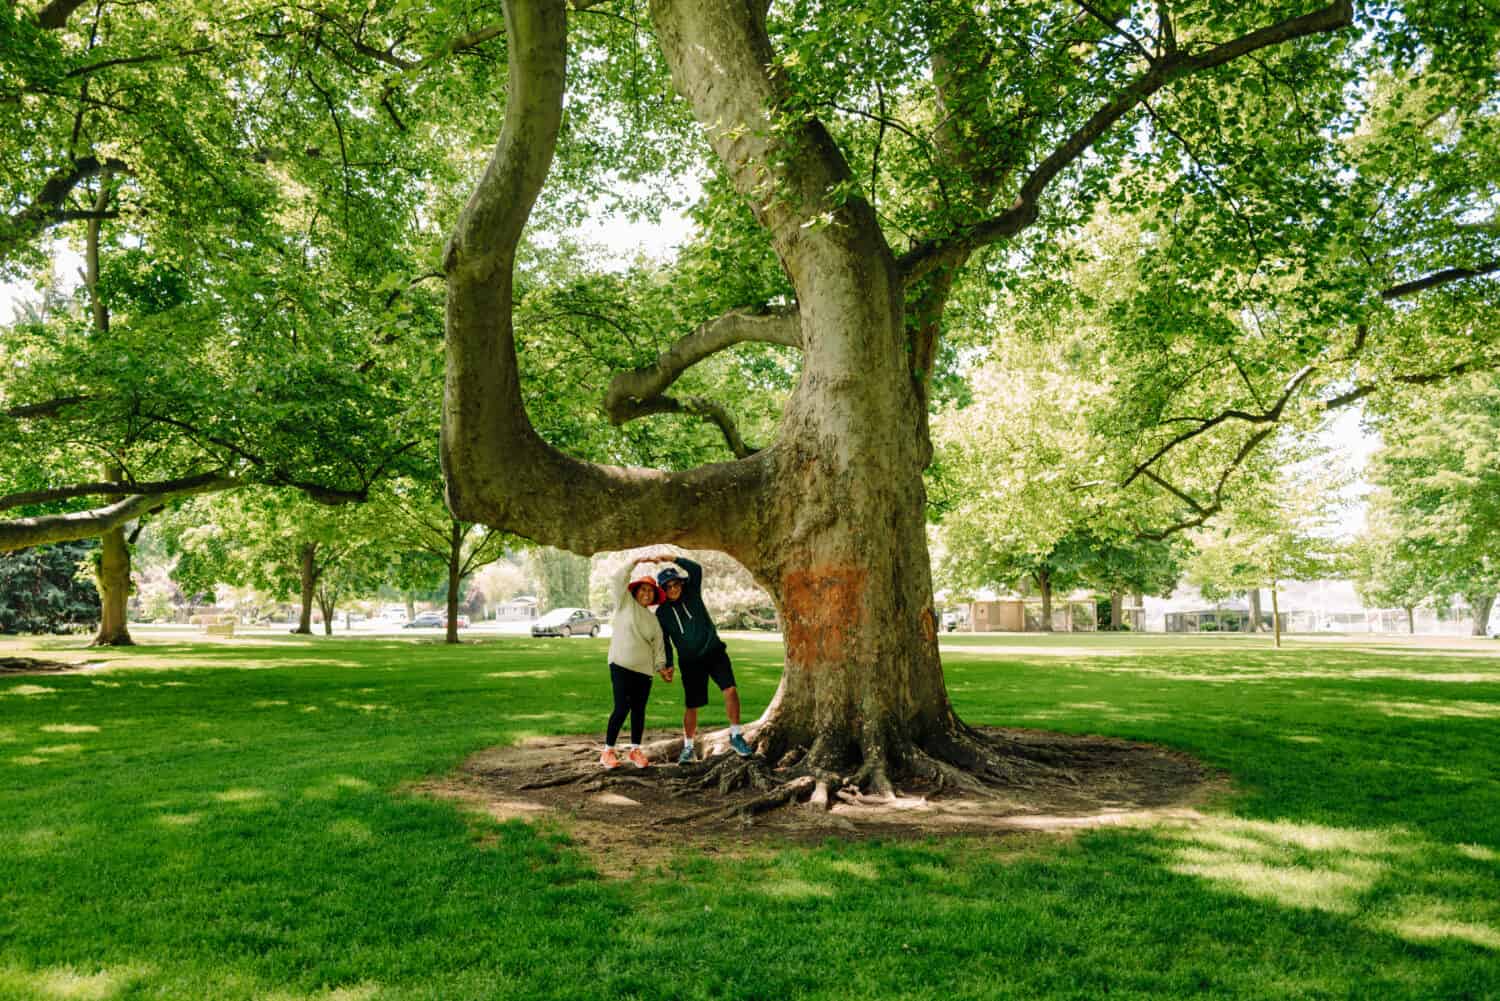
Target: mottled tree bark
(114, 589)
(1254, 595)
(830, 517)
(1116, 611)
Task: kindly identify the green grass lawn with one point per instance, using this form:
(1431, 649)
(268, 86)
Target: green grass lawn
(230, 820)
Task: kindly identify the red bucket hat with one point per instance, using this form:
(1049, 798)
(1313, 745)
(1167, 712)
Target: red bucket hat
(647, 581)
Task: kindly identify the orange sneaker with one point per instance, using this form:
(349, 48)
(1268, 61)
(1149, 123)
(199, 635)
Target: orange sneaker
(638, 758)
(609, 759)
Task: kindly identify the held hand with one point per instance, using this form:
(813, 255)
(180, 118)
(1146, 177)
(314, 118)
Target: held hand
(666, 674)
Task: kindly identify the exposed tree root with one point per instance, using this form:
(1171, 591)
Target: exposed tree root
(962, 762)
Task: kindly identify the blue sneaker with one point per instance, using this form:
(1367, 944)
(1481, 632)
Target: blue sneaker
(686, 757)
(737, 741)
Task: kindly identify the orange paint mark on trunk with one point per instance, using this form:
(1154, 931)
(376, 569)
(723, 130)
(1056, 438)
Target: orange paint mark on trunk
(824, 606)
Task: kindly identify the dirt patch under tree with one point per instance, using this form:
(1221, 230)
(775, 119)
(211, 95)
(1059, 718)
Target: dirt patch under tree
(622, 817)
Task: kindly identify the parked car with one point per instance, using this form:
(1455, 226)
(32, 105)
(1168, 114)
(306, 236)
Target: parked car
(435, 620)
(566, 622)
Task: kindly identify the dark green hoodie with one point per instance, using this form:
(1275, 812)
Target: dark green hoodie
(686, 623)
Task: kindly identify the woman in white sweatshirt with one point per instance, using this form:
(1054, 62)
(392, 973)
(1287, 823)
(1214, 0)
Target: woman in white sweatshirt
(636, 651)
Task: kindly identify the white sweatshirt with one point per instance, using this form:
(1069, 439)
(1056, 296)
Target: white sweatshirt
(636, 642)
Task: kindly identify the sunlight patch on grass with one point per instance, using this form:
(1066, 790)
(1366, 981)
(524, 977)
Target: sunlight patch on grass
(792, 889)
(1438, 710)
(59, 749)
(1440, 677)
(1479, 853)
(367, 707)
(179, 819)
(69, 728)
(108, 684)
(67, 984)
(1297, 865)
(39, 841)
(1302, 738)
(28, 691)
(521, 674)
(862, 870)
(268, 703)
(29, 759)
(335, 785)
(354, 992)
(351, 830)
(1431, 922)
(8, 736)
(240, 795)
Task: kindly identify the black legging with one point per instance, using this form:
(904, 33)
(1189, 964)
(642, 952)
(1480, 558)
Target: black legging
(632, 689)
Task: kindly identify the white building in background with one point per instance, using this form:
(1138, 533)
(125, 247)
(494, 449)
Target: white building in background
(1320, 606)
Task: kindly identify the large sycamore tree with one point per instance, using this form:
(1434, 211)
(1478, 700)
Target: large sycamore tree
(886, 151)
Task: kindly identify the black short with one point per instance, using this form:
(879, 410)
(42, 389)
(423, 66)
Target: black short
(695, 678)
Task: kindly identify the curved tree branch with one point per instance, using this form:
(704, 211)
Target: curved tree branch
(498, 471)
(111, 488)
(1205, 424)
(19, 533)
(697, 406)
(926, 256)
(47, 209)
(627, 390)
(47, 408)
(1438, 278)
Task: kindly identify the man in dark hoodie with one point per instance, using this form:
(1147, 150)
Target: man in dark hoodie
(690, 631)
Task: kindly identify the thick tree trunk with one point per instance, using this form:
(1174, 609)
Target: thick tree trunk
(830, 517)
(1044, 584)
(114, 589)
(1481, 605)
(308, 556)
(1254, 595)
(455, 566)
(1411, 620)
(1116, 611)
(411, 606)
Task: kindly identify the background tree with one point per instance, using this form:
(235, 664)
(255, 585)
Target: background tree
(276, 541)
(1283, 532)
(1386, 573)
(562, 578)
(1440, 488)
(46, 590)
(414, 519)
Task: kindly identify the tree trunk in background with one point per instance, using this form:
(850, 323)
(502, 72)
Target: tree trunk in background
(455, 565)
(328, 605)
(1254, 595)
(114, 589)
(411, 606)
(1411, 620)
(1482, 604)
(1116, 611)
(1275, 615)
(1044, 584)
(308, 556)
